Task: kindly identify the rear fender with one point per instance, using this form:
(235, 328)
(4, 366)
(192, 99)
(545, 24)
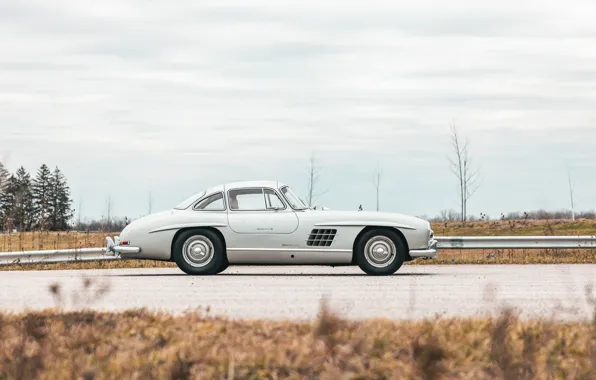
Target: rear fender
(199, 228)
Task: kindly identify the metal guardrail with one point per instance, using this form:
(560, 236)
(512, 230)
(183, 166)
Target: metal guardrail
(515, 242)
(443, 242)
(54, 256)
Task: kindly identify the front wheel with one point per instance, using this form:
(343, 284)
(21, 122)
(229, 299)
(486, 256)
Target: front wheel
(380, 252)
(199, 252)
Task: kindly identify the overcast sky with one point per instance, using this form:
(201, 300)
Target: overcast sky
(129, 96)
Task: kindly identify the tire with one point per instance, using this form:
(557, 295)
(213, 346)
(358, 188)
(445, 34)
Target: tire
(187, 253)
(378, 263)
(223, 267)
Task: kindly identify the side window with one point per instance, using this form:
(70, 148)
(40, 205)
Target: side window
(273, 200)
(212, 203)
(253, 199)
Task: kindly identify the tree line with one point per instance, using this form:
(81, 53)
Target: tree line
(455, 216)
(40, 203)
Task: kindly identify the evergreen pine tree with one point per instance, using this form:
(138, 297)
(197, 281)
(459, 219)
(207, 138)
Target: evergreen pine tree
(10, 202)
(60, 202)
(4, 176)
(41, 191)
(4, 181)
(22, 209)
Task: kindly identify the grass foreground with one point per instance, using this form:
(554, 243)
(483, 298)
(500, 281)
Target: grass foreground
(138, 344)
(66, 240)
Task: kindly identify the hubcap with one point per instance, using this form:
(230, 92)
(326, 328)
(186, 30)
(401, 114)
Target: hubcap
(379, 251)
(198, 251)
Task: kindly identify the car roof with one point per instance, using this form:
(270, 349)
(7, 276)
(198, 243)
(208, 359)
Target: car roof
(244, 184)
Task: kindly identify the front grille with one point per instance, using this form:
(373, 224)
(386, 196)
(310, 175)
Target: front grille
(321, 237)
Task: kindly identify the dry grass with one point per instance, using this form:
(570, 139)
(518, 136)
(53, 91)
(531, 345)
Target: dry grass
(28, 241)
(63, 240)
(512, 256)
(517, 228)
(108, 264)
(138, 344)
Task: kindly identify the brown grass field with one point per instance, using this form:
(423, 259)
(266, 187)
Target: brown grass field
(63, 240)
(138, 344)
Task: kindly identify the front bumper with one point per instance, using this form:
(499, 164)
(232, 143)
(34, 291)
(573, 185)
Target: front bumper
(113, 247)
(429, 253)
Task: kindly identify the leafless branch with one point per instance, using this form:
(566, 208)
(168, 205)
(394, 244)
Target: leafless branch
(109, 213)
(377, 182)
(462, 167)
(80, 211)
(313, 179)
(571, 193)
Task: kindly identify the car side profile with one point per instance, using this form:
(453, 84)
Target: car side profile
(265, 223)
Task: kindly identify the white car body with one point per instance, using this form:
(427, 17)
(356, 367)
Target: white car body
(277, 229)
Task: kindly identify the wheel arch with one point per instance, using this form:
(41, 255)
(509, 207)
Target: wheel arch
(366, 229)
(198, 229)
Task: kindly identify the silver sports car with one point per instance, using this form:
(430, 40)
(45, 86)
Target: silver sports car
(264, 222)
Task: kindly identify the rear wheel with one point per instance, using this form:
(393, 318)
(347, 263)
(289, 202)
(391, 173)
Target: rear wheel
(380, 252)
(199, 252)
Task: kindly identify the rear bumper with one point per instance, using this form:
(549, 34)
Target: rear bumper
(429, 253)
(114, 247)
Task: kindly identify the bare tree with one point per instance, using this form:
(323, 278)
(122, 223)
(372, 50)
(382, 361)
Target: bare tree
(313, 179)
(80, 211)
(461, 166)
(377, 182)
(109, 212)
(571, 194)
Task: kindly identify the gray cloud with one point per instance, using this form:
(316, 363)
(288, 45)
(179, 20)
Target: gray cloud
(172, 97)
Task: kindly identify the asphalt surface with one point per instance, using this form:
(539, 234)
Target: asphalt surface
(295, 292)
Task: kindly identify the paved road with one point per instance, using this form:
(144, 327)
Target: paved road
(295, 292)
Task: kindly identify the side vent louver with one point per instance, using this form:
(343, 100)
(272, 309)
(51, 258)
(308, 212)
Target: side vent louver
(321, 238)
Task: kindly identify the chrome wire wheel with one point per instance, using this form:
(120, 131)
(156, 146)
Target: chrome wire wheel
(198, 251)
(380, 251)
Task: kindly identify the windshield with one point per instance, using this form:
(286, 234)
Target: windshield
(292, 199)
(188, 201)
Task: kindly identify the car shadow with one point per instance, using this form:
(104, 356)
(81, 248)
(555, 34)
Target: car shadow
(276, 275)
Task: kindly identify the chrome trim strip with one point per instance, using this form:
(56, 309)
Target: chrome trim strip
(289, 250)
(178, 226)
